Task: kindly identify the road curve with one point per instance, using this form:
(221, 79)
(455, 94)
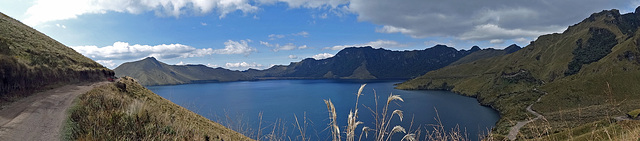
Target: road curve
(513, 133)
(40, 116)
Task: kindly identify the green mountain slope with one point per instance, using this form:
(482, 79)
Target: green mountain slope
(150, 71)
(31, 61)
(589, 72)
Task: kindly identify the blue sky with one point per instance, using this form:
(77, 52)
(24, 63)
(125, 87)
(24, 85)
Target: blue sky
(241, 34)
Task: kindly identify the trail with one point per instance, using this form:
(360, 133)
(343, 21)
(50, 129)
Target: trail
(513, 133)
(40, 116)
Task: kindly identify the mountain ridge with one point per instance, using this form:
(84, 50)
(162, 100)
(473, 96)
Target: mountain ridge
(587, 67)
(349, 63)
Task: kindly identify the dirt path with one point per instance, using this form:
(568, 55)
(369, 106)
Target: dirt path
(40, 116)
(513, 133)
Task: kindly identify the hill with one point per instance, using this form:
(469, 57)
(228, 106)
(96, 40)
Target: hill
(31, 61)
(487, 53)
(583, 76)
(349, 63)
(125, 110)
(150, 71)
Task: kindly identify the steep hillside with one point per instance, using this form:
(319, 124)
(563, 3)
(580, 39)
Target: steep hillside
(31, 61)
(150, 71)
(125, 110)
(588, 73)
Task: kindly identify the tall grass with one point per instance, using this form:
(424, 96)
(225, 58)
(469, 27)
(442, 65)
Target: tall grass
(383, 130)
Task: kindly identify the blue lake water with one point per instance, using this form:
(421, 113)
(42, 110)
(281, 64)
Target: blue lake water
(239, 104)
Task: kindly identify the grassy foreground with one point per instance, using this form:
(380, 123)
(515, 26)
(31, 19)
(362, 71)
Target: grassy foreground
(125, 110)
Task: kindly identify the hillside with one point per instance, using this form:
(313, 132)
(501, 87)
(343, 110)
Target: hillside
(585, 75)
(349, 63)
(150, 71)
(31, 61)
(487, 53)
(125, 110)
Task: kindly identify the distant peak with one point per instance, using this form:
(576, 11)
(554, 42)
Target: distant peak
(439, 45)
(150, 58)
(512, 48)
(475, 48)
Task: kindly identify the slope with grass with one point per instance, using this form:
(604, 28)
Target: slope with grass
(150, 71)
(590, 71)
(125, 110)
(31, 61)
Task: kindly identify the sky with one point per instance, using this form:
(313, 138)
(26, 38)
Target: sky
(242, 34)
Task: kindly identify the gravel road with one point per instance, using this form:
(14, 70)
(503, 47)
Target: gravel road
(40, 116)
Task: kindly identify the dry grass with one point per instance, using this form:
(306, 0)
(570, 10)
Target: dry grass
(383, 130)
(125, 110)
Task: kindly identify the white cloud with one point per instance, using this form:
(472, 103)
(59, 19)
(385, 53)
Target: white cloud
(289, 46)
(212, 65)
(278, 47)
(303, 34)
(107, 63)
(126, 51)
(293, 57)
(489, 31)
(52, 10)
(275, 36)
(496, 41)
(322, 56)
(279, 36)
(243, 65)
(375, 44)
(203, 23)
(61, 26)
(331, 4)
(233, 47)
(470, 20)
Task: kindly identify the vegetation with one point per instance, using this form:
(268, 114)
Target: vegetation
(604, 85)
(486, 53)
(31, 61)
(598, 46)
(383, 130)
(125, 110)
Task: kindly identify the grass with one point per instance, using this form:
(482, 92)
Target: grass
(383, 130)
(125, 110)
(31, 61)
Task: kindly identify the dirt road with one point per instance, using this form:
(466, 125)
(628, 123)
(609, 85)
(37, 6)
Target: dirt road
(516, 129)
(40, 116)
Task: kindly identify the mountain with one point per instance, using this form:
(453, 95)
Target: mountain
(150, 71)
(581, 77)
(31, 61)
(370, 63)
(349, 63)
(486, 53)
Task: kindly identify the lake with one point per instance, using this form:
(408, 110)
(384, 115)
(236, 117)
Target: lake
(238, 105)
